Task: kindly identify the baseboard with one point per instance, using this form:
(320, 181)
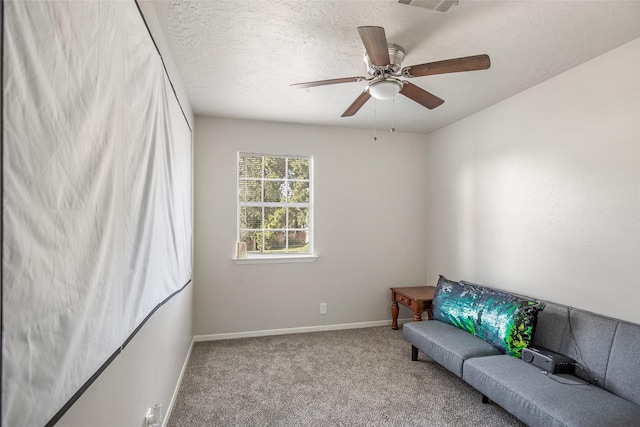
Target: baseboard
(304, 329)
(174, 397)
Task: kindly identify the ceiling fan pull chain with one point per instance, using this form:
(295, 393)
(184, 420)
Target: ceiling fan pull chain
(375, 119)
(393, 114)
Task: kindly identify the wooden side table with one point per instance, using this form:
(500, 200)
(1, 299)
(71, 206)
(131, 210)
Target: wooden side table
(417, 298)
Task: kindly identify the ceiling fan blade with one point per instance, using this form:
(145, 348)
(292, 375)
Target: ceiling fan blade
(357, 104)
(375, 43)
(421, 96)
(468, 63)
(330, 82)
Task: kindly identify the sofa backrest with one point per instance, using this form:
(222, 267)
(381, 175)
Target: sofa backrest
(608, 349)
(623, 369)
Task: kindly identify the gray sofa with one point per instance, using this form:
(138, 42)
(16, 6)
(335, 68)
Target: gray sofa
(605, 390)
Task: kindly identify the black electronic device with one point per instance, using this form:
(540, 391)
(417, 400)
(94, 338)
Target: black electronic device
(549, 361)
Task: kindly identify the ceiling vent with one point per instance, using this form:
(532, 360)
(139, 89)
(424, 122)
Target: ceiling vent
(435, 5)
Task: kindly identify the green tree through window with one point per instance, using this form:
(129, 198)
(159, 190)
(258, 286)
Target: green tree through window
(274, 203)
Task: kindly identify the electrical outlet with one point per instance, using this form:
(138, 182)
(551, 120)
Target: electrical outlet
(323, 308)
(154, 416)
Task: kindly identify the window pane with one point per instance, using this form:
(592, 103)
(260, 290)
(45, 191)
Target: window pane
(275, 167)
(250, 191)
(298, 218)
(274, 241)
(251, 217)
(250, 166)
(298, 169)
(274, 191)
(253, 239)
(299, 192)
(275, 217)
(298, 241)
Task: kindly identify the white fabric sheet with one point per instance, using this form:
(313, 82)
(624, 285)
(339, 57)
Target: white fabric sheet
(96, 195)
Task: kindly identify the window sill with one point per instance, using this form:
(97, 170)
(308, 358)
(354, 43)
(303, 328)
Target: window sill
(275, 259)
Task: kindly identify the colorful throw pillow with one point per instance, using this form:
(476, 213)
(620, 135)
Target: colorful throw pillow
(504, 320)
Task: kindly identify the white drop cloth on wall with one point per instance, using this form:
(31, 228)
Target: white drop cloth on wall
(96, 195)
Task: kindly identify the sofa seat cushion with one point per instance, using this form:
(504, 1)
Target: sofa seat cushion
(446, 344)
(539, 400)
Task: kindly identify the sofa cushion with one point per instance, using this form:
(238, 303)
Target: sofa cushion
(502, 319)
(539, 400)
(584, 336)
(550, 327)
(623, 369)
(446, 344)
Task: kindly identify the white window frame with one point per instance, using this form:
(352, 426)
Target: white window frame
(259, 258)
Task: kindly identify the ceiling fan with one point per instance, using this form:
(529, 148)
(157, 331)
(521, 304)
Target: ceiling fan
(384, 62)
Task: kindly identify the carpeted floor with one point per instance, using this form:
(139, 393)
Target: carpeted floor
(356, 377)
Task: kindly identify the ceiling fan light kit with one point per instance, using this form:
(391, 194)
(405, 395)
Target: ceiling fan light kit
(385, 89)
(384, 66)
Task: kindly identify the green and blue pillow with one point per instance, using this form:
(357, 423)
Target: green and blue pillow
(504, 320)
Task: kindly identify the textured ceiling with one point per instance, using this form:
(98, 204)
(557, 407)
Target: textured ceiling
(237, 58)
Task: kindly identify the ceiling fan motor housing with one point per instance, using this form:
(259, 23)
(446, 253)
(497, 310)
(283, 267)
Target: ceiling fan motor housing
(396, 54)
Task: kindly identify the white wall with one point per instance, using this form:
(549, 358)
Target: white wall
(148, 369)
(540, 194)
(370, 228)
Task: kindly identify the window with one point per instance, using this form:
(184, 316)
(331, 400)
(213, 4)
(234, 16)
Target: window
(275, 204)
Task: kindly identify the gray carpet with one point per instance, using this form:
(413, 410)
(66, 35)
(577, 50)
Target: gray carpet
(357, 377)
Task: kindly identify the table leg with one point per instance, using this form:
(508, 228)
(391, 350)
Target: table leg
(417, 308)
(394, 315)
